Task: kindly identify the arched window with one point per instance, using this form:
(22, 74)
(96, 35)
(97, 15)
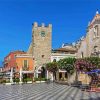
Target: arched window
(82, 54)
(96, 31)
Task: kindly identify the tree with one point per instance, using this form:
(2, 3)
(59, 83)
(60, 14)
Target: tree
(52, 67)
(95, 61)
(87, 64)
(68, 65)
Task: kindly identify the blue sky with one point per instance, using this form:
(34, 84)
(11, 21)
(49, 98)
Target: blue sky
(68, 17)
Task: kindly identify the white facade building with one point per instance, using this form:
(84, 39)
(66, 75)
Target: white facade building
(66, 51)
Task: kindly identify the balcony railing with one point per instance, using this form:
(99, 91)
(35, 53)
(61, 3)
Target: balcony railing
(25, 68)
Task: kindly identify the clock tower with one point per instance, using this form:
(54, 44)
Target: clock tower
(41, 44)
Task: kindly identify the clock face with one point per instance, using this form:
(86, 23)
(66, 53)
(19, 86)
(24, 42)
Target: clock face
(43, 34)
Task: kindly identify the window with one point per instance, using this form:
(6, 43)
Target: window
(15, 56)
(82, 54)
(42, 56)
(95, 31)
(25, 63)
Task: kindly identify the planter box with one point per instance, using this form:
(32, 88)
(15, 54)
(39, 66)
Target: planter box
(29, 82)
(40, 81)
(7, 83)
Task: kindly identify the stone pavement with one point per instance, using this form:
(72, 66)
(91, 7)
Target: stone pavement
(45, 91)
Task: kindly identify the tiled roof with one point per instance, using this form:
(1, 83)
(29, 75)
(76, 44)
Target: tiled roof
(66, 49)
(21, 52)
(16, 52)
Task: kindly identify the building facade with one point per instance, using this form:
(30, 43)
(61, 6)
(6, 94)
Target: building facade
(66, 51)
(17, 64)
(10, 61)
(90, 45)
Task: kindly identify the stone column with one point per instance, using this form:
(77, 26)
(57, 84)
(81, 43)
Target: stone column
(20, 75)
(37, 74)
(51, 74)
(57, 75)
(11, 76)
(47, 74)
(63, 74)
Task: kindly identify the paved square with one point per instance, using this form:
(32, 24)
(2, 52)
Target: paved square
(45, 91)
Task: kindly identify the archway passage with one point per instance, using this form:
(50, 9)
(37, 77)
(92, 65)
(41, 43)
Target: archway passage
(43, 72)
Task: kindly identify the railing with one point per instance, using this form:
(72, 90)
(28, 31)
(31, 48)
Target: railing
(25, 68)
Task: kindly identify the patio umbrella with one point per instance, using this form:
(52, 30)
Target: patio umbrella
(94, 71)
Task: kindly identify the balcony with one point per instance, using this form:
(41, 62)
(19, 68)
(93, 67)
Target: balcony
(25, 68)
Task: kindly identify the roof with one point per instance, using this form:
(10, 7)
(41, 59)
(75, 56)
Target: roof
(96, 18)
(66, 49)
(16, 52)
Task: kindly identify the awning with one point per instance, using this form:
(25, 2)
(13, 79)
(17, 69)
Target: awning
(62, 70)
(94, 71)
(28, 72)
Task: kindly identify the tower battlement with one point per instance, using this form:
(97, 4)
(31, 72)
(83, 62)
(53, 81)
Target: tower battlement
(35, 24)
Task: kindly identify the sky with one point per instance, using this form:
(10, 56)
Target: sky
(69, 19)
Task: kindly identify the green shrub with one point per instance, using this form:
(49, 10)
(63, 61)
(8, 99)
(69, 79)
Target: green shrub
(40, 79)
(29, 79)
(16, 80)
(7, 81)
(3, 81)
(43, 79)
(24, 79)
(36, 79)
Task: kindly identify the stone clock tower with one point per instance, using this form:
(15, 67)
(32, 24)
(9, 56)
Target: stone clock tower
(40, 47)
